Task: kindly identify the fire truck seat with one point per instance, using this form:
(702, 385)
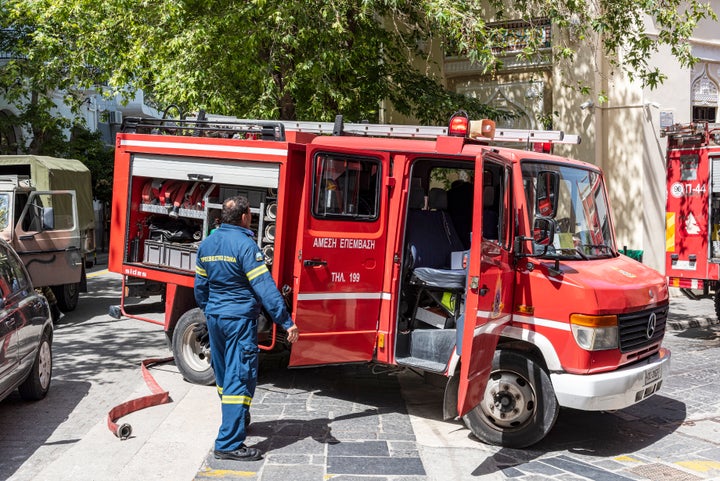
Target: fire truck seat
(444, 279)
(431, 235)
(431, 238)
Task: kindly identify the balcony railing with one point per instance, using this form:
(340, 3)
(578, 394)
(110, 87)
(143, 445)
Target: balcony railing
(512, 37)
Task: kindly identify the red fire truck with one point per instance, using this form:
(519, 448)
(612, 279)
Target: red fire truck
(692, 215)
(429, 248)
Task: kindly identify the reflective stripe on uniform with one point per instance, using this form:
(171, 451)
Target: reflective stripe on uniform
(227, 399)
(258, 271)
(219, 389)
(200, 271)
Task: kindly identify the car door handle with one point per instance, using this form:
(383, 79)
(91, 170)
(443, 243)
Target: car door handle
(484, 290)
(314, 263)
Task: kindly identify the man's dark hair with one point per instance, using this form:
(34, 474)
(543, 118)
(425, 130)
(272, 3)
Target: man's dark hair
(233, 209)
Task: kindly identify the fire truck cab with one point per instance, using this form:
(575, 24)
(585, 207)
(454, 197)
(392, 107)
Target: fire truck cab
(428, 248)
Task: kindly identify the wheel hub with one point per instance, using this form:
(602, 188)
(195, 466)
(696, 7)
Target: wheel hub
(504, 401)
(509, 400)
(196, 356)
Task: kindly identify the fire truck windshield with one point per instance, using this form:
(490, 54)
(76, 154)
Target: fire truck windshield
(582, 217)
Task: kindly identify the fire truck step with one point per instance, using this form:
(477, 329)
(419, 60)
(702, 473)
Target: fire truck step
(423, 364)
(429, 349)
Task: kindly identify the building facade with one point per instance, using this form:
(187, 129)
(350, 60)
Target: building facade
(622, 135)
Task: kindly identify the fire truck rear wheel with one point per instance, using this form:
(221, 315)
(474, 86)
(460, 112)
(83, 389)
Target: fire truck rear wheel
(717, 302)
(519, 406)
(67, 296)
(191, 359)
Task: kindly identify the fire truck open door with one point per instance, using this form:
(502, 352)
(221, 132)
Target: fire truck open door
(340, 265)
(490, 283)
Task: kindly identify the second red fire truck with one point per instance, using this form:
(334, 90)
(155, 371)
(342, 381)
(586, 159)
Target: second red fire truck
(692, 218)
(428, 248)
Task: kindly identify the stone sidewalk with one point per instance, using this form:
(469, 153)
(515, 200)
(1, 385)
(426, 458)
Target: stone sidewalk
(345, 423)
(313, 424)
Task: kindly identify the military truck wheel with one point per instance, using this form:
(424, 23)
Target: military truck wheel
(519, 406)
(191, 359)
(67, 296)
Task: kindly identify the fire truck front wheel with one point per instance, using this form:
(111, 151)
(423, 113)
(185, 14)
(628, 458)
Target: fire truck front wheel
(519, 406)
(191, 359)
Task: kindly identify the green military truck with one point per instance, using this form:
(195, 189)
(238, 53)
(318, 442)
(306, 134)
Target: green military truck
(46, 214)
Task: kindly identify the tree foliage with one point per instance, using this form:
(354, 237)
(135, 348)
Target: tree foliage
(312, 59)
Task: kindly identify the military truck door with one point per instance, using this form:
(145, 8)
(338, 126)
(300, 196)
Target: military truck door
(488, 301)
(47, 238)
(339, 271)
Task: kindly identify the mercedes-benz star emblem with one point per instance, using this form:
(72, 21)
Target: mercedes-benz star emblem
(651, 326)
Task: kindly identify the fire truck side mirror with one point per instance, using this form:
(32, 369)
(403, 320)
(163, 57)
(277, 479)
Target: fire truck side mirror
(543, 231)
(548, 183)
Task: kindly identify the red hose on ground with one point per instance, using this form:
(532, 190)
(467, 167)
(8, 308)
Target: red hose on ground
(158, 396)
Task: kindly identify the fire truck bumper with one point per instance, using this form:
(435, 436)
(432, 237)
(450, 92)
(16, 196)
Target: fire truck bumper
(618, 389)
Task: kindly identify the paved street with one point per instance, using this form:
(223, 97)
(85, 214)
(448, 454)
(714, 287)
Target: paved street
(341, 423)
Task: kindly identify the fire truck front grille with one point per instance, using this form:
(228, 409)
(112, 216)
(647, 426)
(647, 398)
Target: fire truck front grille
(642, 329)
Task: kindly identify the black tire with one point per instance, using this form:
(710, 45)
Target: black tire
(37, 384)
(717, 302)
(519, 406)
(191, 359)
(67, 296)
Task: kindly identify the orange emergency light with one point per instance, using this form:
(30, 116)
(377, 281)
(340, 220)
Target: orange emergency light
(459, 124)
(462, 126)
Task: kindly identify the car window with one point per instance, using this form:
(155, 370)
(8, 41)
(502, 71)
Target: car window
(4, 210)
(13, 275)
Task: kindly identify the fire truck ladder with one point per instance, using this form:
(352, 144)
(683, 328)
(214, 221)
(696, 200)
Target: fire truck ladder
(424, 132)
(219, 125)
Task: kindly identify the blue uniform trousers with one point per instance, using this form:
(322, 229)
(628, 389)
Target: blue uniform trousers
(233, 346)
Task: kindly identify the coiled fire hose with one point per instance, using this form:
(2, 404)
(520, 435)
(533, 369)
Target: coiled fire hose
(158, 396)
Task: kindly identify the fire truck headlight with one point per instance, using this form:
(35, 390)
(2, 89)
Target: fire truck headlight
(595, 333)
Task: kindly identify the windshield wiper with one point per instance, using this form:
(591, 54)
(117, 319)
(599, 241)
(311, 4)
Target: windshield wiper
(598, 246)
(574, 250)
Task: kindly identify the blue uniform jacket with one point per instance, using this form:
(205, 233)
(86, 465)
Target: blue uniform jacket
(231, 278)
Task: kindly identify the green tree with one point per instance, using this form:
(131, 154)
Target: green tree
(312, 59)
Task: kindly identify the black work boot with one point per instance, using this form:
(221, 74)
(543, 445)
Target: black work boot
(243, 453)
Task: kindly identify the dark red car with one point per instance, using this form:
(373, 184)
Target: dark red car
(26, 331)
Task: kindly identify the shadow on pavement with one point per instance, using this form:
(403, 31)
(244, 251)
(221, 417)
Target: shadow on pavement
(598, 434)
(27, 426)
(709, 333)
(284, 432)
(327, 404)
(105, 292)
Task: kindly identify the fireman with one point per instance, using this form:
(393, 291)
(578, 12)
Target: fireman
(231, 280)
